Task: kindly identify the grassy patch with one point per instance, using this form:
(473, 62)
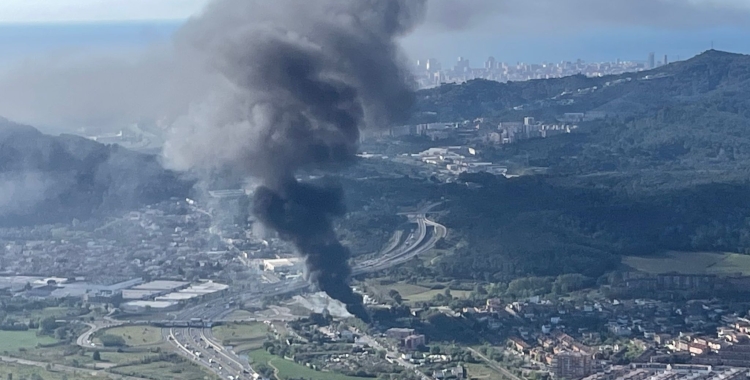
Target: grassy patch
(433, 256)
(14, 340)
(70, 355)
(731, 264)
(280, 328)
(136, 335)
(56, 312)
(26, 372)
(240, 315)
(60, 312)
(481, 372)
(289, 369)
(120, 358)
(412, 292)
(240, 331)
(243, 336)
(692, 263)
(428, 295)
(165, 371)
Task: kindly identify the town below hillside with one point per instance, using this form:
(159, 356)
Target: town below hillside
(572, 228)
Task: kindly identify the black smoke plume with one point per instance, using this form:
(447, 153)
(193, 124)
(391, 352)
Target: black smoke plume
(296, 83)
(302, 214)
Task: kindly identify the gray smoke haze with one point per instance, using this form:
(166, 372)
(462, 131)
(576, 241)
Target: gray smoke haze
(20, 191)
(91, 91)
(299, 82)
(88, 92)
(541, 16)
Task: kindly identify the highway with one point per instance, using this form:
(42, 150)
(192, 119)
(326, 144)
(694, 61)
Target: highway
(226, 363)
(85, 339)
(414, 245)
(198, 344)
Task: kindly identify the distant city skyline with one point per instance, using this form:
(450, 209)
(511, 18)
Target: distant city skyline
(631, 44)
(19, 41)
(432, 72)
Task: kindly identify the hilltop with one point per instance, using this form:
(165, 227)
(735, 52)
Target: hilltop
(47, 179)
(681, 119)
(707, 75)
(667, 169)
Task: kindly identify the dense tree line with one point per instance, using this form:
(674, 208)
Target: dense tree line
(667, 169)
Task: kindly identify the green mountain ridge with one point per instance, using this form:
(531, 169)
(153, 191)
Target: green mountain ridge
(630, 94)
(667, 169)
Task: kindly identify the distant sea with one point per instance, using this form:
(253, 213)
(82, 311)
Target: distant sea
(18, 41)
(24, 40)
(592, 45)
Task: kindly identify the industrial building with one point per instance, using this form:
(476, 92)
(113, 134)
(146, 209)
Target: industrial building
(153, 289)
(163, 295)
(149, 306)
(138, 294)
(193, 292)
(286, 265)
(162, 285)
(57, 288)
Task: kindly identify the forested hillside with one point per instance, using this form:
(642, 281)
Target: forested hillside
(668, 169)
(717, 78)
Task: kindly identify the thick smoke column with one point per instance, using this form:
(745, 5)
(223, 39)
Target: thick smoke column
(302, 214)
(298, 81)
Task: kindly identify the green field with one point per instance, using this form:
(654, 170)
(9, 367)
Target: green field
(69, 355)
(482, 372)
(692, 263)
(428, 295)
(56, 312)
(13, 340)
(244, 337)
(165, 371)
(289, 369)
(136, 335)
(124, 357)
(240, 331)
(240, 315)
(416, 293)
(26, 372)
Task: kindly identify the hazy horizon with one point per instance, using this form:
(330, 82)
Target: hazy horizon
(510, 30)
(66, 64)
(19, 41)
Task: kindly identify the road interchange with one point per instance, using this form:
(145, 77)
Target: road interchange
(190, 330)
